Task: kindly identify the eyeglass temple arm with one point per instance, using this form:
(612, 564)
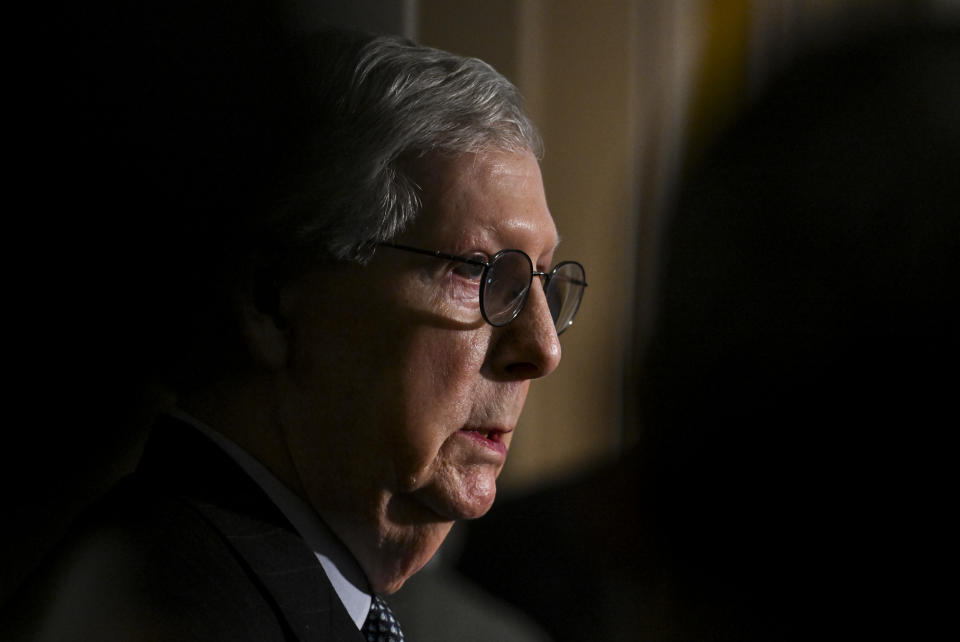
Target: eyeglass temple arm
(434, 253)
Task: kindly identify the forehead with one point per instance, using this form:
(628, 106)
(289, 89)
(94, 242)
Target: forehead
(493, 198)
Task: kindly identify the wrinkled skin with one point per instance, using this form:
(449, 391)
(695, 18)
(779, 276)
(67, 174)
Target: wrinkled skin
(391, 381)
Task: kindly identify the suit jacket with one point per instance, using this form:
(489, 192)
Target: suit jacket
(187, 548)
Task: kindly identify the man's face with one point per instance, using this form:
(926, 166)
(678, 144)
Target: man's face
(399, 400)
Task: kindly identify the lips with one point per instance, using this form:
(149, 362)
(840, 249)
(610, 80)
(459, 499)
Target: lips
(490, 437)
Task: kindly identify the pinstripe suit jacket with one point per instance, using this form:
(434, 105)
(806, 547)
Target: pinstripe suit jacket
(187, 548)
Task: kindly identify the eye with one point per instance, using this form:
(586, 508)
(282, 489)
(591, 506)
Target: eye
(470, 271)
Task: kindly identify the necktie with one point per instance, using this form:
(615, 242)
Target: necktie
(381, 625)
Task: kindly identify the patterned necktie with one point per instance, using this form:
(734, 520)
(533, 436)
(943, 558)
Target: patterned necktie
(381, 625)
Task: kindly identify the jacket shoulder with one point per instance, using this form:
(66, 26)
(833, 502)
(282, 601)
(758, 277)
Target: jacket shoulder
(143, 565)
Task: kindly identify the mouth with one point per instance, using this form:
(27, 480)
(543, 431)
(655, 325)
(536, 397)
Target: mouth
(489, 437)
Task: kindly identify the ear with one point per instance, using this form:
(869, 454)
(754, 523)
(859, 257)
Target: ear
(264, 328)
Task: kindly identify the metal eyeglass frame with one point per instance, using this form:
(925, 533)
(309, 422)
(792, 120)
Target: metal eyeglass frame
(486, 267)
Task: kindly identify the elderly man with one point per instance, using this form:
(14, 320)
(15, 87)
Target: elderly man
(382, 312)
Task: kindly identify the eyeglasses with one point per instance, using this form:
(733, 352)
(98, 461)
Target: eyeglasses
(505, 282)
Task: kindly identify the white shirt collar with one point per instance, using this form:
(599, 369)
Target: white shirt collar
(338, 563)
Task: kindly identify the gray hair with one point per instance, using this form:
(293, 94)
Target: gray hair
(302, 155)
(378, 104)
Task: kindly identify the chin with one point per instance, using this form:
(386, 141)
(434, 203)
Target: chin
(480, 498)
(478, 507)
(468, 502)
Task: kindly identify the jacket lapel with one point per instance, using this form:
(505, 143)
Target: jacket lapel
(185, 462)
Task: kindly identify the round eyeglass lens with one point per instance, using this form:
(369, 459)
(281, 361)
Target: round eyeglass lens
(506, 286)
(564, 293)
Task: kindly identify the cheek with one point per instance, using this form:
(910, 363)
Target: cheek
(336, 393)
(439, 389)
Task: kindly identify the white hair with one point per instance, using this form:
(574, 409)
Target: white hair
(374, 106)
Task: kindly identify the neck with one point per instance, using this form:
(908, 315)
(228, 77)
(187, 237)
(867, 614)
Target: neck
(397, 551)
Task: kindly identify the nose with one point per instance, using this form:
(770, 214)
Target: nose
(528, 347)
